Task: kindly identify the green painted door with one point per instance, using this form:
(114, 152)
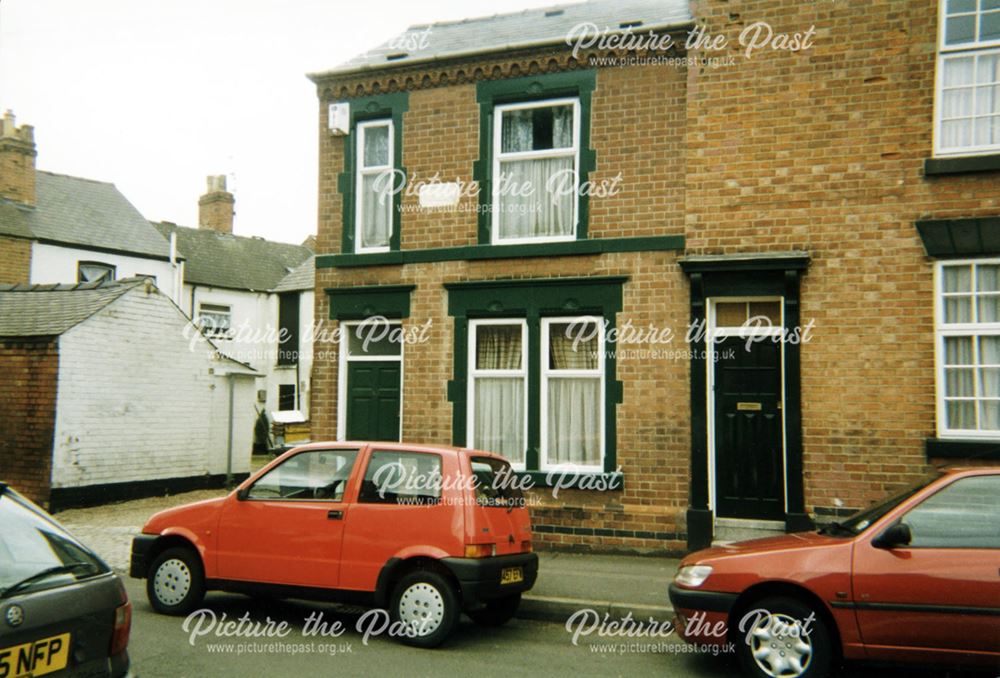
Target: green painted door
(749, 454)
(373, 397)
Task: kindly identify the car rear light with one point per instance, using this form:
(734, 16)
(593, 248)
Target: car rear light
(123, 626)
(480, 550)
(526, 546)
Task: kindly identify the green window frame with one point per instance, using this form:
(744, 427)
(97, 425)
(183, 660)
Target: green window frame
(390, 107)
(535, 301)
(578, 85)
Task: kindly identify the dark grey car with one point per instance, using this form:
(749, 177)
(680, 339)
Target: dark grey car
(63, 611)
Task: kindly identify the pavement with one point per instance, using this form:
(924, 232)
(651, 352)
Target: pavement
(567, 582)
(617, 584)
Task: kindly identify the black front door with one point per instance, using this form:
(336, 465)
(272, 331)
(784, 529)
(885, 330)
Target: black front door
(373, 396)
(749, 471)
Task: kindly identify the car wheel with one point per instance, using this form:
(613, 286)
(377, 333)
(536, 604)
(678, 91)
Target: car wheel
(786, 639)
(426, 605)
(496, 612)
(175, 583)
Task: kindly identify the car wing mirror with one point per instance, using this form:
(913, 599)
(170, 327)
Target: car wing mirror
(893, 537)
(242, 493)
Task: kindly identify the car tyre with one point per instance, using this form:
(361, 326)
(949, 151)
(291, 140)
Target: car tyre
(778, 647)
(175, 582)
(496, 612)
(425, 605)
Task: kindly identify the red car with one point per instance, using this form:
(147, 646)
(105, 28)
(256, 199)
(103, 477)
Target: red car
(426, 532)
(915, 579)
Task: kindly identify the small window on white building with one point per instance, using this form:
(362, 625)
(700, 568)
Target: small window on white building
(968, 89)
(215, 320)
(968, 336)
(94, 271)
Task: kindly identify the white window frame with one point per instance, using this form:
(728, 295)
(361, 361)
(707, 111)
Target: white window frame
(547, 373)
(212, 331)
(974, 330)
(363, 171)
(110, 271)
(945, 52)
(344, 357)
(498, 112)
(474, 372)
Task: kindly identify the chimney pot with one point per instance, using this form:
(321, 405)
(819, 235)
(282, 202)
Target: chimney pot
(215, 208)
(17, 161)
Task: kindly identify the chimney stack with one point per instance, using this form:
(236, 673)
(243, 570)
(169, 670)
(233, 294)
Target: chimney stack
(17, 161)
(215, 208)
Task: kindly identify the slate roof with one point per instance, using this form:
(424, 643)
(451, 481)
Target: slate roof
(50, 310)
(302, 277)
(85, 213)
(531, 27)
(232, 261)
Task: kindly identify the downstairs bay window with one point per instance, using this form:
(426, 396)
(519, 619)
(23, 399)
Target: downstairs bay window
(569, 403)
(968, 337)
(532, 380)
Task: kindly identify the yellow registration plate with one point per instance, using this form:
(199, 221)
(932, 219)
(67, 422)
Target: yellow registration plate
(511, 575)
(35, 658)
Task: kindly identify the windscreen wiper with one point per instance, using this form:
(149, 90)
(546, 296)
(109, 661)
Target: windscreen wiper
(68, 568)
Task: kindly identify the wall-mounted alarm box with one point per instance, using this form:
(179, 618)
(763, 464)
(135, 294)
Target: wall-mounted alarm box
(339, 119)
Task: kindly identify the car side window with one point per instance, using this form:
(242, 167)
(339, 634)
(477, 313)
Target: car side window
(404, 478)
(965, 514)
(314, 475)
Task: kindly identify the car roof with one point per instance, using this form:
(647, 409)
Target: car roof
(403, 447)
(970, 470)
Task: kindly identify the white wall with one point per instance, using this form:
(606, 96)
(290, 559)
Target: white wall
(138, 401)
(257, 346)
(287, 375)
(58, 264)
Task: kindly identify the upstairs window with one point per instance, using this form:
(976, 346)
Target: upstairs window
(968, 96)
(536, 156)
(215, 320)
(373, 230)
(94, 271)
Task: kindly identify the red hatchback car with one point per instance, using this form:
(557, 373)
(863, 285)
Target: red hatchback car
(424, 531)
(915, 579)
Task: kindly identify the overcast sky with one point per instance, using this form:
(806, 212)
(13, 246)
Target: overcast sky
(153, 95)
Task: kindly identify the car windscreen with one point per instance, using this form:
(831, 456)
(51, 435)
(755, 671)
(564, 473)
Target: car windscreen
(496, 483)
(36, 553)
(863, 519)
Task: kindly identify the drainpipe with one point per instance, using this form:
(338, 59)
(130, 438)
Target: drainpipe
(229, 444)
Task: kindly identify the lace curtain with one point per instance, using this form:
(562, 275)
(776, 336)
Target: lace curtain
(499, 400)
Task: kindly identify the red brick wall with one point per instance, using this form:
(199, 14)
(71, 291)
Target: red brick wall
(28, 415)
(820, 151)
(823, 151)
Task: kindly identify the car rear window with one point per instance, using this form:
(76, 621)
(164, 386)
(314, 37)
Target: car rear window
(404, 478)
(496, 483)
(32, 544)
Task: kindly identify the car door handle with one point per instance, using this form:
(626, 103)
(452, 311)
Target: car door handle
(335, 515)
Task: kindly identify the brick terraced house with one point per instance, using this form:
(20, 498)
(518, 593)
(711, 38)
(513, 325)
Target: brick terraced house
(817, 204)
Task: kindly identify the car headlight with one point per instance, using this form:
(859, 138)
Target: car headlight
(693, 575)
